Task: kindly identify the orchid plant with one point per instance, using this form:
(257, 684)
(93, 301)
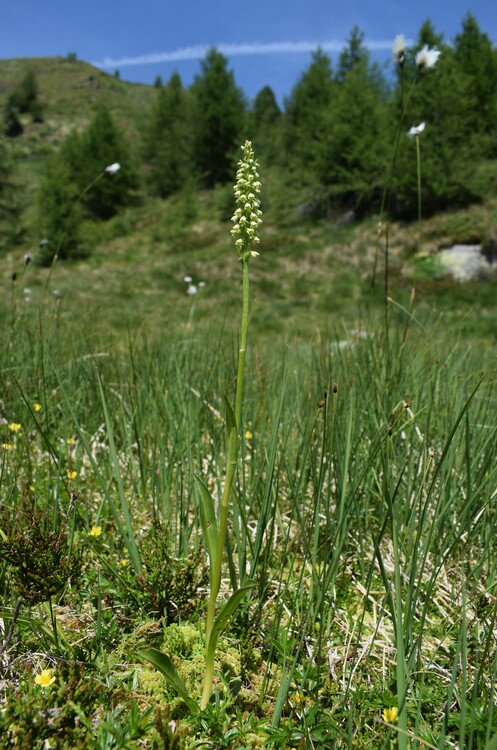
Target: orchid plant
(246, 220)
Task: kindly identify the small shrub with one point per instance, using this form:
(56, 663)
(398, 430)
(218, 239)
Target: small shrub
(168, 587)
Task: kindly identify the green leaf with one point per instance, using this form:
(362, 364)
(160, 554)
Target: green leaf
(209, 522)
(164, 664)
(222, 619)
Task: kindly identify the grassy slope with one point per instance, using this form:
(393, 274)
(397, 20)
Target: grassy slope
(308, 276)
(70, 91)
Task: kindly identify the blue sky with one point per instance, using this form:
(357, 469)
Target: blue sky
(267, 42)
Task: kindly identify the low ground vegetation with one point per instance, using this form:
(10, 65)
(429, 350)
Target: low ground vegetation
(361, 520)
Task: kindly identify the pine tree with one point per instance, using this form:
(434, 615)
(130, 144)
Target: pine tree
(100, 145)
(10, 198)
(306, 118)
(476, 58)
(265, 121)
(60, 214)
(357, 144)
(353, 54)
(12, 126)
(25, 97)
(219, 117)
(168, 139)
(444, 100)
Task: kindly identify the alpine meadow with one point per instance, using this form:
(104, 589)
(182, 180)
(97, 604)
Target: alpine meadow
(248, 410)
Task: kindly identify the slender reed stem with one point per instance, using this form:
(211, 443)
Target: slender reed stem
(418, 159)
(55, 258)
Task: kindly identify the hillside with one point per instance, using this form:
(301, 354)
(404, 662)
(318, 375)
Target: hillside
(70, 91)
(311, 273)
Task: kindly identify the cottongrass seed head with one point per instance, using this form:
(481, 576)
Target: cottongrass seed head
(427, 58)
(399, 50)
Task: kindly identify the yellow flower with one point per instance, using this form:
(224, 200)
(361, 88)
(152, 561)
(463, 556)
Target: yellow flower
(248, 435)
(8, 446)
(298, 698)
(14, 426)
(37, 407)
(72, 474)
(45, 678)
(123, 562)
(70, 441)
(95, 531)
(390, 714)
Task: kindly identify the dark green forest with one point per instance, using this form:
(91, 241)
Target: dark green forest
(336, 147)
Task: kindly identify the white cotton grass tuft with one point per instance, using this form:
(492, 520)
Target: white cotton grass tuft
(113, 168)
(192, 289)
(427, 58)
(416, 130)
(399, 49)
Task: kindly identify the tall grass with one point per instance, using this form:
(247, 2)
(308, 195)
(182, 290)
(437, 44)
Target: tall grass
(366, 518)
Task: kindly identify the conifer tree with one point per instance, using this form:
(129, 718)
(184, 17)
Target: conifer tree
(306, 118)
(12, 126)
(10, 194)
(59, 213)
(168, 139)
(352, 54)
(443, 99)
(25, 97)
(357, 144)
(265, 121)
(476, 58)
(219, 119)
(100, 145)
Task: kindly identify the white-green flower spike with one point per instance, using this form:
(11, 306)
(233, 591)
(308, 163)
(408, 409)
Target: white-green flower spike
(247, 216)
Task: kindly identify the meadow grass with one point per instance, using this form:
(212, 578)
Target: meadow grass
(322, 577)
(365, 516)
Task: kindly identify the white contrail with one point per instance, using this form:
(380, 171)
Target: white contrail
(233, 50)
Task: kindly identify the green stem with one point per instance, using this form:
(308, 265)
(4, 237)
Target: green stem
(66, 225)
(418, 157)
(243, 343)
(230, 475)
(215, 586)
(54, 623)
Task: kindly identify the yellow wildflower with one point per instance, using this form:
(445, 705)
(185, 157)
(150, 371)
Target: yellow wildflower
(248, 435)
(123, 562)
(14, 426)
(95, 531)
(8, 446)
(390, 714)
(37, 407)
(45, 678)
(72, 474)
(70, 441)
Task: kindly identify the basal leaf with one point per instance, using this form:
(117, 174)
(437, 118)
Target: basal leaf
(165, 666)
